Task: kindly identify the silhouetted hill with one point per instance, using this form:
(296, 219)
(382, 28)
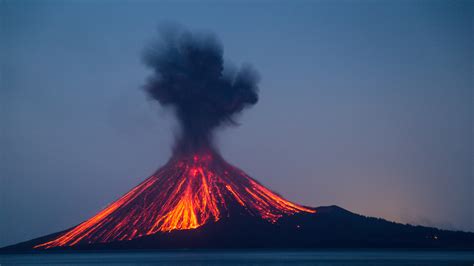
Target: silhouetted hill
(329, 227)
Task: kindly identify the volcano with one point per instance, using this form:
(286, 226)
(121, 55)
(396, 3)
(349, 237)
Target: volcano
(197, 199)
(196, 186)
(200, 201)
(186, 193)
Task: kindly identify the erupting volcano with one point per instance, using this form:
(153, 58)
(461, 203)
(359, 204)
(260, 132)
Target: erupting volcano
(184, 194)
(198, 200)
(196, 186)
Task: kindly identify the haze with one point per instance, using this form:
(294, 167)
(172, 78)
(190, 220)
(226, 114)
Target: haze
(365, 105)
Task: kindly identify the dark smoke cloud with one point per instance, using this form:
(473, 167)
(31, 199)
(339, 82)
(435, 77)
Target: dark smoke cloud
(189, 76)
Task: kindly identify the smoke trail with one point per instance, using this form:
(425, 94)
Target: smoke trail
(189, 76)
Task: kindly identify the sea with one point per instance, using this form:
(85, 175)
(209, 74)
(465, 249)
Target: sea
(246, 257)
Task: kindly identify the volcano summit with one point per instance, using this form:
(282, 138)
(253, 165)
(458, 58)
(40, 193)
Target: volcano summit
(197, 199)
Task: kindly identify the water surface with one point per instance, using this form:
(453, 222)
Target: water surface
(270, 257)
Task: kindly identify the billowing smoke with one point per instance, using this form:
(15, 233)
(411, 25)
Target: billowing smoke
(189, 76)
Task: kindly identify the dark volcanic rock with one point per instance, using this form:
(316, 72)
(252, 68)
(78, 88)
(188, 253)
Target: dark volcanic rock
(329, 227)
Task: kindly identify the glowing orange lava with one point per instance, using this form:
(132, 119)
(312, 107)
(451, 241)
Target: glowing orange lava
(184, 194)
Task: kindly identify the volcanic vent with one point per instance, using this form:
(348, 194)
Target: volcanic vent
(196, 186)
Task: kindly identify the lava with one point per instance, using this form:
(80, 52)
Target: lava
(186, 193)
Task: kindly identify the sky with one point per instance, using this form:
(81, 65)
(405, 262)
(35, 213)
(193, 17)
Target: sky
(363, 104)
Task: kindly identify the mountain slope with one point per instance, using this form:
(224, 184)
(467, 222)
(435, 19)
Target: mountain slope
(329, 227)
(186, 193)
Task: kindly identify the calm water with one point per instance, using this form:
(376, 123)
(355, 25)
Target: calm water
(326, 258)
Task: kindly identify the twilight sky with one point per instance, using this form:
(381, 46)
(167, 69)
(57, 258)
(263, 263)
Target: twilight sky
(363, 104)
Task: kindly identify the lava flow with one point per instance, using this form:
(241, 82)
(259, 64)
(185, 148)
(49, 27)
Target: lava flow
(184, 194)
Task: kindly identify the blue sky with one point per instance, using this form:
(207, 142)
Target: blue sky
(363, 104)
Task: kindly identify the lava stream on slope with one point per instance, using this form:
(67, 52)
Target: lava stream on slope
(186, 193)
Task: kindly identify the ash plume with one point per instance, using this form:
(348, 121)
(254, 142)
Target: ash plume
(189, 77)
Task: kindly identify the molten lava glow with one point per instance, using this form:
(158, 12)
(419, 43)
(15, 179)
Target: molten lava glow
(184, 194)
